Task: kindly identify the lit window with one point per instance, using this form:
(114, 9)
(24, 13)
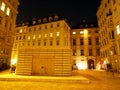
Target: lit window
(51, 34)
(45, 35)
(34, 22)
(39, 36)
(3, 6)
(34, 37)
(58, 33)
(118, 29)
(8, 11)
(81, 32)
(21, 30)
(74, 32)
(28, 37)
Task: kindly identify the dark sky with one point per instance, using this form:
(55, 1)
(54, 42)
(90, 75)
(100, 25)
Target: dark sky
(73, 10)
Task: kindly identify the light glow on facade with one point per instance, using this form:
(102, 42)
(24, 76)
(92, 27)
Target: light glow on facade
(81, 64)
(85, 33)
(13, 61)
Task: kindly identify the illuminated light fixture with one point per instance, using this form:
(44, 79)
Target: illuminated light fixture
(3, 6)
(74, 32)
(13, 61)
(85, 33)
(8, 11)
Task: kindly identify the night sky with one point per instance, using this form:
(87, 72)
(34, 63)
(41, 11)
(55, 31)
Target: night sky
(74, 10)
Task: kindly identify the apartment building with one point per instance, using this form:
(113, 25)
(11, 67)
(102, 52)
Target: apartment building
(8, 13)
(85, 46)
(108, 22)
(42, 47)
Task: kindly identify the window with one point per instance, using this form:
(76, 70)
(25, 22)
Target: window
(82, 52)
(3, 6)
(81, 32)
(97, 41)
(8, 11)
(21, 30)
(74, 33)
(24, 37)
(38, 43)
(16, 37)
(51, 34)
(114, 1)
(34, 28)
(34, 22)
(28, 43)
(51, 26)
(39, 36)
(57, 43)
(44, 43)
(34, 36)
(33, 43)
(45, 26)
(74, 41)
(20, 38)
(45, 35)
(81, 41)
(89, 41)
(96, 31)
(90, 52)
(58, 34)
(113, 35)
(29, 29)
(58, 24)
(51, 43)
(118, 29)
(28, 37)
(98, 52)
(74, 52)
(40, 28)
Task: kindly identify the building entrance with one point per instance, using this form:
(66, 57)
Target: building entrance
(90, 64)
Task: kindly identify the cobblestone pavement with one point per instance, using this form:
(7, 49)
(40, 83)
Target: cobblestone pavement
(100, 80)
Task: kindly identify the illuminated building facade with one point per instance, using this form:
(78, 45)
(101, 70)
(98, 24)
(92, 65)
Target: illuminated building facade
(42, 47)
(85, 46)
(8, 13)
(108, 15)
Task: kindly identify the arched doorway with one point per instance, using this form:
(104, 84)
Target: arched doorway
(90, 64)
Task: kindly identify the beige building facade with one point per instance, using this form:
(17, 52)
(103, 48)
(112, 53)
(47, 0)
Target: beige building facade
(42, 47)
(85, 46)
(108, 22)
(8, 13)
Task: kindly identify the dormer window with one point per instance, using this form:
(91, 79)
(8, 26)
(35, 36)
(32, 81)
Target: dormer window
(50, 19)
(56, 18)
(45, 20)
(34, 22)
(39, 21)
